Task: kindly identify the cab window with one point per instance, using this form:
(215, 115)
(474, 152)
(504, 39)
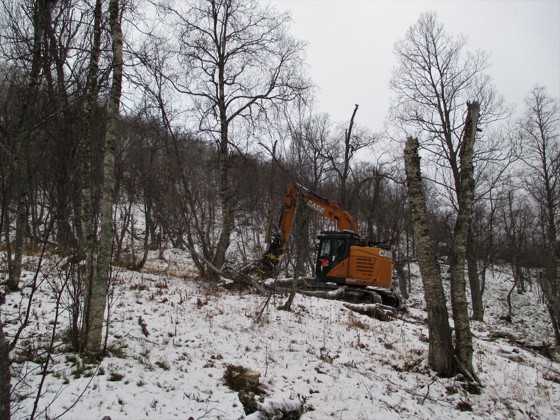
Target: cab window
(333, 249)
(339, 249)
(325, 250)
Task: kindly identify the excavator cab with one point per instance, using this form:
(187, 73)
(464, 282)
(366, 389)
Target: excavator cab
(332, 256)
(343, 258)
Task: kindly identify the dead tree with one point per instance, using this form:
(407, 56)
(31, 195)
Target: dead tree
(440, 353)
(463, 336)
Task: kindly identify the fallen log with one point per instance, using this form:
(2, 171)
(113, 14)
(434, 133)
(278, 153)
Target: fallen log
(278, 409)
(324, 294)
(375, 310)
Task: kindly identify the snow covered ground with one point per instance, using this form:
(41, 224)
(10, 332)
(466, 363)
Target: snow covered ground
(172, 338)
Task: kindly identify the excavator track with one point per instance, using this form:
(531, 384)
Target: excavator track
(347, 293)
(311, 287)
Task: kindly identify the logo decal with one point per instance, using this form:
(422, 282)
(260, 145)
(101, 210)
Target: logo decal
(315, 206)
(384, 253)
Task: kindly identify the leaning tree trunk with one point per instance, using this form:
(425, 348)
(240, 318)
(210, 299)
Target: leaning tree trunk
(463, 335)
(440, 354)
(100, 283)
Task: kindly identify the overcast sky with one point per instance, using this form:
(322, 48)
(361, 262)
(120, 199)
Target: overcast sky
(350, 46)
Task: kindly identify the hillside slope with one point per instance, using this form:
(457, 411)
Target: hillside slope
(172, 339)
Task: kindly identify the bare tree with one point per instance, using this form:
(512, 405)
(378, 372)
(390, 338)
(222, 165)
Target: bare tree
(383, 204)
(433, 80)
(239, 61)
(85, 227)
(516, 215)
(309, 140)
(343, 153)
(482, 241)
(301, 239)
(539, 129)
(18, 171)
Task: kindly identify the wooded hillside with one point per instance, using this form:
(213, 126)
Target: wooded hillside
(129, 131)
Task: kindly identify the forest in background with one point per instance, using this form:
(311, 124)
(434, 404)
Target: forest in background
(201, 112)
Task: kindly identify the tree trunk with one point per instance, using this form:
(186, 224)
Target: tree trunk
(300, 239)
(86, 230)
(555, 326)
(440, 354)
(100, 283)
(550, 292)
(463, 336)
(64, 159)
(14, 273)
(474, 280)
(20, 170)
(347, 154)
(226, 207)
(374, 310)
(399, 268)
(271, 203)
(5, 375)
(224, 162)
(137, 265)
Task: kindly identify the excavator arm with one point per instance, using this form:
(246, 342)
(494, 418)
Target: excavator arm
(327, 208)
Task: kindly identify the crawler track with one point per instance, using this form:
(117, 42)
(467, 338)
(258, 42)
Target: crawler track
(351, 294)
(311, 287)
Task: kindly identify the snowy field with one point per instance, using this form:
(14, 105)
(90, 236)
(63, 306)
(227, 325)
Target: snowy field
(172, 338)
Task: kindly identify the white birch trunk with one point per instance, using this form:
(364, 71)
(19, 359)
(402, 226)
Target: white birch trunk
(463, 336)
(100, 281)
(440, 353)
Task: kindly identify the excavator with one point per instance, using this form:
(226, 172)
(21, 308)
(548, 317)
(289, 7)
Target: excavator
(343, 257)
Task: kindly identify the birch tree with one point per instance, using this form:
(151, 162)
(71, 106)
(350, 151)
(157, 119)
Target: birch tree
(100, 281)
(440, 352)
(463, 335)
(85, 226)
(540, 133)
(434, 77)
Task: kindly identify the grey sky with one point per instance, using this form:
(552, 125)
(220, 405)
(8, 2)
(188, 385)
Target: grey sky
(350, 46)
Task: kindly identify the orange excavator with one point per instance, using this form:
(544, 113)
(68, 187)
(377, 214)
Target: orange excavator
(343, 257)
